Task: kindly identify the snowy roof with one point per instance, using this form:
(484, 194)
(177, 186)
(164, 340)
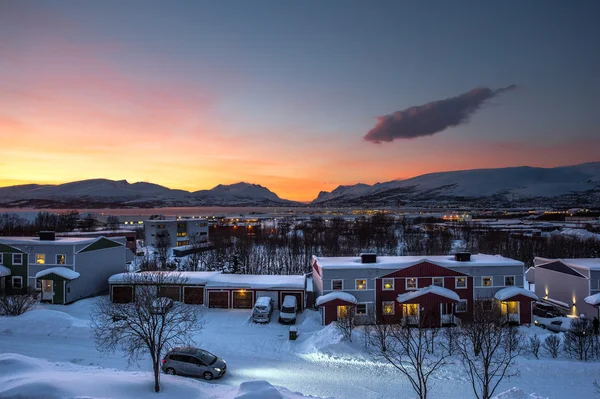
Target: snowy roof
(400, 262)
(509, 292)
(37, 241)
(593, 300)
(332, 296)
(61, 271)
(94, 233)
(256, 281)
(432, 289)
(585, 263)
(4, 271)
(189, 277)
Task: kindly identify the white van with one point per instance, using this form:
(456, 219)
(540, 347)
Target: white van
(288, 310)
(261, 313)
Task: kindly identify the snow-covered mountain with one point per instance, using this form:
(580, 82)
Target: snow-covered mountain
(110, 193)
(510, 185)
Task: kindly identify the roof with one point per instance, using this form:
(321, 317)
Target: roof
(190, 277)
(336, 295)
(37, 241)
(60, 271)
(432, 289)
(593, 300)
(509, 292)
(4, 271)
(560, 267)
(400, 262)
(584, 263)
(256, 281)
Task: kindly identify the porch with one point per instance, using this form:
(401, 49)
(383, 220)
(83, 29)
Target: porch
(516, 304)
(429, 307)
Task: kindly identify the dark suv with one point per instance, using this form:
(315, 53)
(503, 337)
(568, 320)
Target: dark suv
(193, 362)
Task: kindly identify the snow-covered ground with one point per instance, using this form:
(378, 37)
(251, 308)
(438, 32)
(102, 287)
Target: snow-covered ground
(318, 363)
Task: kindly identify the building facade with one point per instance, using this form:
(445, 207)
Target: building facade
(64, 269)
(391, 288)
(180, 232)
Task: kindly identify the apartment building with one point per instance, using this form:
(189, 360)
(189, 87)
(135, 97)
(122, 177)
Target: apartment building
(179, 232)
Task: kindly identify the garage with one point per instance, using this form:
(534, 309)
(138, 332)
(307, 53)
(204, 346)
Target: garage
(218, 299)
(122, 293)
(299, 299)
(171, 292)
(243, 299)
(274, 295)
(193, 295)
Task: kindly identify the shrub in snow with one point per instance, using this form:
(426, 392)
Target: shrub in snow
(534, 345)
(346, 321)
(579, 340)
(552, 345)
(14, 305)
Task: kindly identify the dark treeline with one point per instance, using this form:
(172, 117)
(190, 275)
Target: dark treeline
(13, 225)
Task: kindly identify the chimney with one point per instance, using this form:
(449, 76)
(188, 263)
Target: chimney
(47, 236)
(462, 257)
(368, 258)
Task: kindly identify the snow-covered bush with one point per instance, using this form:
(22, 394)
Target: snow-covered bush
(552, 345)
(534, 345)
(14, 305)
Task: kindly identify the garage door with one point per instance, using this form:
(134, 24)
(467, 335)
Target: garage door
(274, 295)
(169, 292)
(193, 295)
(243, 300)
(218, 299)
(122, 293)
(298, 296)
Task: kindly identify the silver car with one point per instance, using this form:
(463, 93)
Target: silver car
(193, 362)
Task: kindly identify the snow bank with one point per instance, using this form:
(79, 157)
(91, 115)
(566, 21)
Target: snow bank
(578, 233)
(432, 289)
(509, 292)
(332, 296)
(50, 322)
(516, 393)
(593, 300)
(261, 389)
(61, 271)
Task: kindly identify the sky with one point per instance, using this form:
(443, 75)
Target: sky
(298, 96)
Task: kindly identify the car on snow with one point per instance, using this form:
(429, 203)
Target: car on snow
(556, 324)
(261, 313)
(193, 362)
(288, 311)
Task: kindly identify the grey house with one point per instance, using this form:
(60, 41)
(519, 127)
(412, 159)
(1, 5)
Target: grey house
(567, 282)
(64, 269)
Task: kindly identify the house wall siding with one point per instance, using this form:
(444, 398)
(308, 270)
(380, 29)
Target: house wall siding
(565, 288)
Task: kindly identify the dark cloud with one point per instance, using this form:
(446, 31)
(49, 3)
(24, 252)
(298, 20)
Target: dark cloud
(431, 118)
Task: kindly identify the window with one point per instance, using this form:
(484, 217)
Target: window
(202, 224)
(0, 259)
(361, 284)
(337, 285)
(38, 285)
(487, 281)
(388, 284)
(160, 226)
(17, 259)
(461, 306)
(438, 281)
(388, 308)
(181, 225)
(17, 282)
(40, 259)
(60, 259)
(509, 281)
(182, 234)
(461, 282)
(361, 309)
(344, 311)
(411, 283)
(182, 243)
(410, 310)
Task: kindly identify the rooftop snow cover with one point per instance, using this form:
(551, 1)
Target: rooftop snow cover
(57, 241)
(432, 289)
(509, 292)
(189, 277)
(4, 271)
(61, 271)
(584, 263)
(332, 296)
(593, 300)
(400, 262)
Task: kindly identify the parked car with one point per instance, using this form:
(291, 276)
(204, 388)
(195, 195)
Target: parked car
(289, 308)
(194, 362)
(544, 310)
(261, 313)
(556, 324)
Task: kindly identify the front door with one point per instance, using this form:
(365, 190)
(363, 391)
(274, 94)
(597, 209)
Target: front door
(47, 290)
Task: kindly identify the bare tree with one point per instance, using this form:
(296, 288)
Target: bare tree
(534, 345)
(198, 258)
(112, 222)
(408, 349)
(552, 345)
(488, 348)
(150, 324)
(162, 243)
(16, 304)
(345, 321)
(579, 340)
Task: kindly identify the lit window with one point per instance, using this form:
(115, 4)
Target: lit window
(388, 284)
(509, 281)
(40, 259)
(337, 285)
(182, 234)
(161, 226)
(486, 281)
(411, 283)
(202, 224)
(17, 259)
(343, 311)
(181, 225)
(60, 259)
(388, 308)
(17, 282)
(461, 282)
(438, 281)
(361, 309)
(410, 310)
(461, 306)
(361, 284)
